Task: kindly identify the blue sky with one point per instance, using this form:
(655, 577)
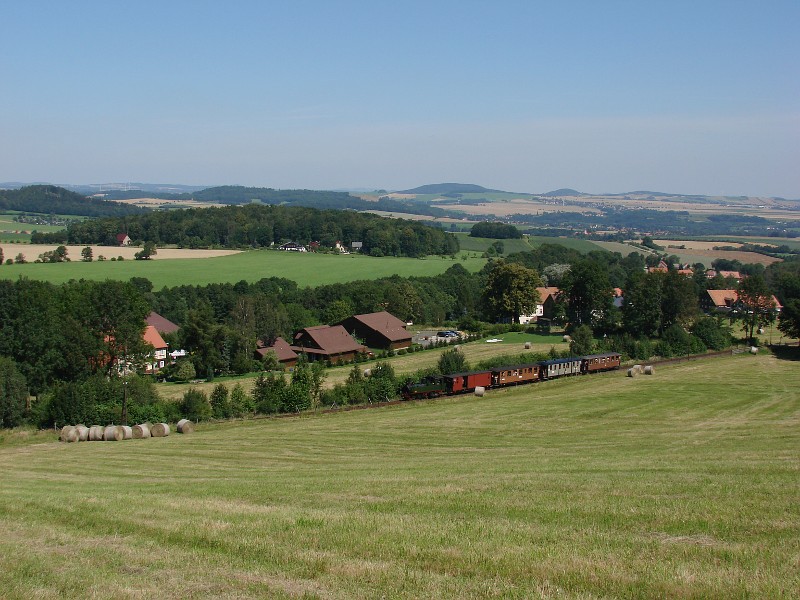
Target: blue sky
(528, 96)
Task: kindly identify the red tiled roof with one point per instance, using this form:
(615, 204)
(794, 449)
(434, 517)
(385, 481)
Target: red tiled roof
(161, 324)
(152, 337)
(545, 292)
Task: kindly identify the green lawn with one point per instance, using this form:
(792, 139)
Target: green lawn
(306, 269)
(684, 484)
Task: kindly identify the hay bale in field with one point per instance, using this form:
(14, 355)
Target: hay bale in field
(633, 372)
(69, 434)
(113, 433)
(760, 331)
(480, 391)
(649, 370)
(367, 372)
(140, 432)
(639, 368)
(527, 345)
(95, 433)
(83, 432)
(185, 426)
(566, 338)
(127, 432)
(753, 350)
(159, 430)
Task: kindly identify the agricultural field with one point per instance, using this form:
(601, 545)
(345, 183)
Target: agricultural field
(683, 484)
(307, 269)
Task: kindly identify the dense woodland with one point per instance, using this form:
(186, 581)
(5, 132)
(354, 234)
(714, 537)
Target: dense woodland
(61, 343)
(256, 225)
(50, 199)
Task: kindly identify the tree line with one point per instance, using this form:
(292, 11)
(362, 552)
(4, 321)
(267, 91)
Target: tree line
(51, 199)
(256, 225)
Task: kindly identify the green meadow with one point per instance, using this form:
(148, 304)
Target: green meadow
(307, 269)
(684, 484)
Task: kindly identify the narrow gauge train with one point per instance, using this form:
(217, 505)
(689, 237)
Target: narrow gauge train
(434, 386)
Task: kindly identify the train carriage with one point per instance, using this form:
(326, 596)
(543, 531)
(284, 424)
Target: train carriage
(601, 362)
(559, 367)
(457, 383)
(515, 374)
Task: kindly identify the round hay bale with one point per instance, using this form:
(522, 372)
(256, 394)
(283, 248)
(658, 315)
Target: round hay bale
(127, 432)
(639, 368)
(95, 433)
(480, 390)
(83, 432)
(649, 370)
(633, 372)
(566, 338)
(140, 432)
(69, 434)
(760, 331)
(185, 426)
(159, 430)
(367, 372)
(527, 345)
(753, 350)
(113, 433)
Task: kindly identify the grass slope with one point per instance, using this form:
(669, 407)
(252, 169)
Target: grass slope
(305, 269)
(684, 484)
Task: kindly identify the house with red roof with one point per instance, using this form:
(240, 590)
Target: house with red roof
(123, 239)
(158, 359)
(378, 330)
(161, 324)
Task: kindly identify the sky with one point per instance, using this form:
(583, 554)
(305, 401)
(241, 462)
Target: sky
(699, 97)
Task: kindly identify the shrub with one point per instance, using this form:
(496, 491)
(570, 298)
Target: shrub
(195, 405)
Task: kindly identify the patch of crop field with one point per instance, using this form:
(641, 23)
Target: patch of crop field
(624, 249)
(793, 243)
(475, 244)
(307, 269)
(582, 246)
(707, 256)
(694, 244)
(683, 484)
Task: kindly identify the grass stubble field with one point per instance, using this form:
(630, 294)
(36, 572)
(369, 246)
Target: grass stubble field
(684, 484)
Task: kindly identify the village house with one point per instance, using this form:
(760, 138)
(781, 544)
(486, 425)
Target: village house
(727, 301)
(282, 350)
(158, 359)
(331, 344)
(378, 330)
(293, 247)
(123, 239)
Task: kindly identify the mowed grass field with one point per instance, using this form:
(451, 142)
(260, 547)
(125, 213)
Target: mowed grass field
(307, 269)
(684, 484)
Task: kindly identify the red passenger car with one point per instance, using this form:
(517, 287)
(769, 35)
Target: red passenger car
(600, 362)
(515, 374)
(457, 383)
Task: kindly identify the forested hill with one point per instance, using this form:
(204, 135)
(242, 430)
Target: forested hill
(257, 225)
(51, 199)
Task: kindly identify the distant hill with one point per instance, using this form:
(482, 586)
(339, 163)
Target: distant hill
(564, 192)
(450, 188)
(51, 199)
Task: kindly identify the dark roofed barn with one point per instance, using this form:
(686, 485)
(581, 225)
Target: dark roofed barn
(322, 342)
(283, 352)
(378, 330)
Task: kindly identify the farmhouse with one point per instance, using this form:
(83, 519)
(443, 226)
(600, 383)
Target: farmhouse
(158, 359)
(378, 330)
(283, 352)
(322, 342)
(726, 301)
(547, 301)
(293, 247)
(123, 239)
